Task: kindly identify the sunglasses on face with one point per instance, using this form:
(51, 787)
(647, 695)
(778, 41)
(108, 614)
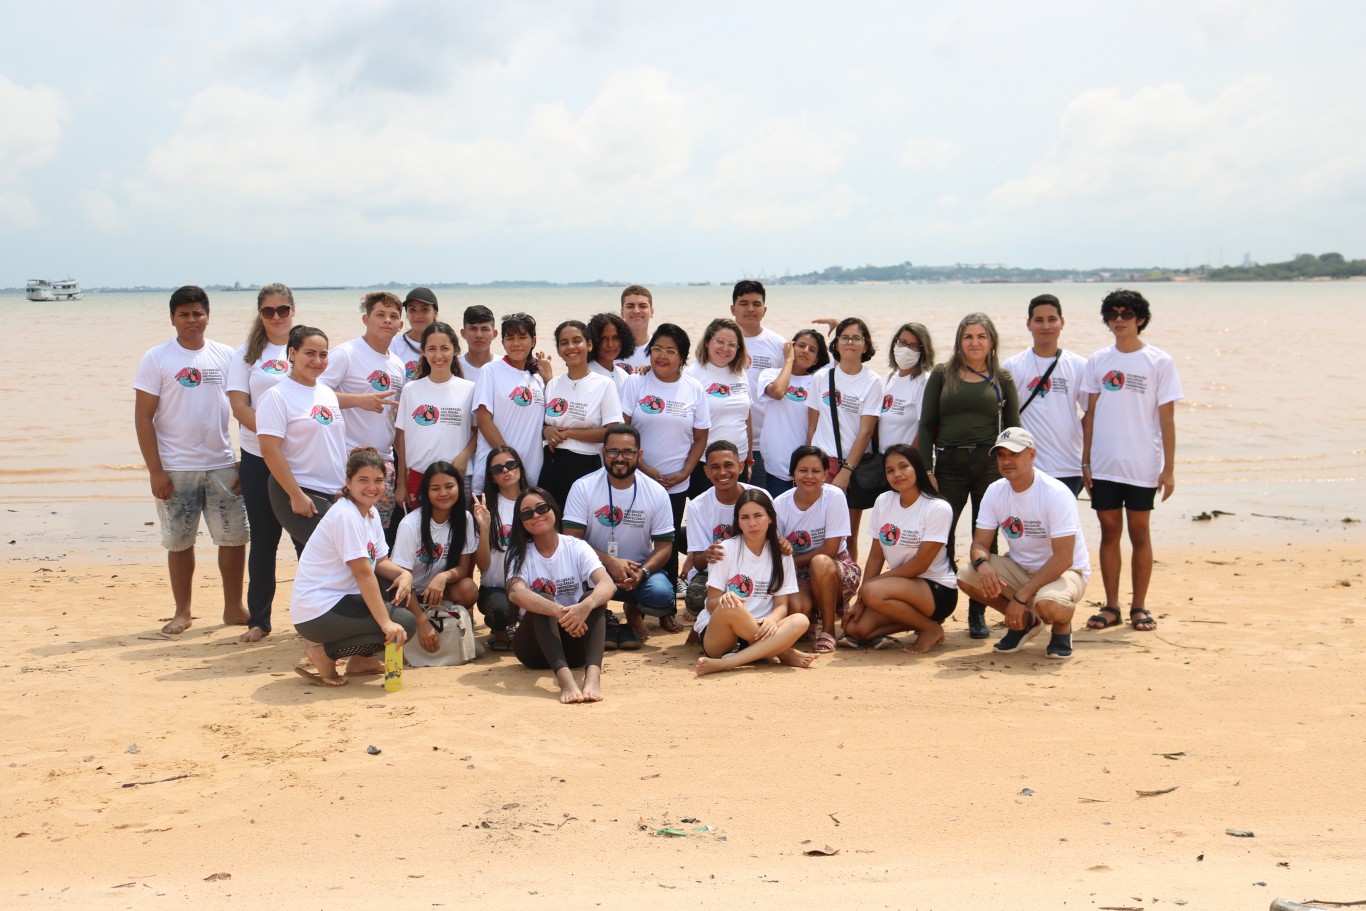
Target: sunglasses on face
(273, 312)
(532, 511)
(509, 465)
(1120, 315)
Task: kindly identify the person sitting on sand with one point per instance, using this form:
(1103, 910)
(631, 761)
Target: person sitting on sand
(746, 618)
(1045, 573)
(436, 543)
(337, 606)
(504, 482)
(909, 525)
(563, 625)
(711, 518)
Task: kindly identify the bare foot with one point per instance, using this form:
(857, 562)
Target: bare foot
(362, 666)
(255, 634)
(592, 684)
(235, 616)
(327, 667)
(926, 640)
(570, 694)
(177, 624)
(707, 666)
(638, 624)
(794, 658)
(320, 679)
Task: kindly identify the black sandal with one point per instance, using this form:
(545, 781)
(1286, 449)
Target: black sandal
(1098, 620)
(1141, 620)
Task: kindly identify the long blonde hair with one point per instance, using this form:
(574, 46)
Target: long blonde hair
(256, 337)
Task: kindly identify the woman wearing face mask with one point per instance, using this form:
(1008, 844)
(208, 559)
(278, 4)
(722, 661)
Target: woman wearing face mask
(911, 357)
(509, 398)
(785, 390)
(967, 403)
(579, 405)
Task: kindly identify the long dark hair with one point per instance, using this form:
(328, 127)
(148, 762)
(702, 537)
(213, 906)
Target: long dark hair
(522, 323)
(518, 544)
(424, 368)
(755, 495)
(601, 321)
(456, 522)
(491, 485)
(922, 335)
(822, 351)
(922, 477)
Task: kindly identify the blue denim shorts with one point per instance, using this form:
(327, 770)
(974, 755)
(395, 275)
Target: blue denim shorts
(206, 493)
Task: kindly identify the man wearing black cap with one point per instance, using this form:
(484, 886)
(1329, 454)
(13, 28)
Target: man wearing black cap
(420, 308)
(1044, 574)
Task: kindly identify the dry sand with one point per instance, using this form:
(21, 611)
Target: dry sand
(958, 780)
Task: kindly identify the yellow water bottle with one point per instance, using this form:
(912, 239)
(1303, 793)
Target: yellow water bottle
(393, 666)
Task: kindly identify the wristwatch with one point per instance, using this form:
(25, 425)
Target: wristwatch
(978, 562)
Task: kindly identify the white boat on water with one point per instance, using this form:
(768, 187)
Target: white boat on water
(66, 289)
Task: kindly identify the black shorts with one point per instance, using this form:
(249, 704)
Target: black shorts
(945, 600)
(1107, 495)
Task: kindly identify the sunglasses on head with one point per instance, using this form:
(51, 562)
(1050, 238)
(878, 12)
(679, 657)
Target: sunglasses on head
(273, 312)
(532, 511)
(509, 465)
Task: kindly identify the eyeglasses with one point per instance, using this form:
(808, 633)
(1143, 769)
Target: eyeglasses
(532, 511)
(509, 465)
(275, 312)
(851, 340)
(663, 352)
(621, 453)
(1120, 315)
(910, 346)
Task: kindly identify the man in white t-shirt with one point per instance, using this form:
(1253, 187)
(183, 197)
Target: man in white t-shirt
(1043, 576)
(420, 309)
(479, 331)
(638, 308)
(1051, 401)
(1128, 448)
(627, 519)
(711, 519)
(749, 304)
(181, 416)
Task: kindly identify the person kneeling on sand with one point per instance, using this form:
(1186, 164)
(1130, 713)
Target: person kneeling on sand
(746, 617)
(1045, 573)
(337, 606)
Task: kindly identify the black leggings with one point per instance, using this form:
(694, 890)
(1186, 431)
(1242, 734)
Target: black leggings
(299, 528)
(493, 604)
(265, 532)
(349, 629)
(678, 502)
(962, 474)
(541, 643)
(562, 468)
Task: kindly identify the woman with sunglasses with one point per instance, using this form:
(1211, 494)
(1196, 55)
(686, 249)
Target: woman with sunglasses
(563, 624)
(785, 390)
(579, 406)
(720, 371)
(504, 481)
(968, 401)
(256, 367)
(509, 398)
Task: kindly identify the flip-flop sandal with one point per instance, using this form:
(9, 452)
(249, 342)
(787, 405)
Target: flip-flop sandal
(847, 641)
(825, 643)
(319, 679)
(1101, 619)
(1141, 615)
(882, 642)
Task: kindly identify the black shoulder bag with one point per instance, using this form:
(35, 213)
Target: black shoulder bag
(1043, 381)
(868, 476)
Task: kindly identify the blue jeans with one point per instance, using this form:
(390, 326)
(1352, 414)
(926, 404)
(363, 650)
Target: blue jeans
(758, 474)
(655, 596)
(775, 486)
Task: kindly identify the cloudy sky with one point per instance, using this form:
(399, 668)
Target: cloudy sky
(165, 141)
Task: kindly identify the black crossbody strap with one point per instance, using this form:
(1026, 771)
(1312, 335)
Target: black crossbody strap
(835, 417)
(1043, 381)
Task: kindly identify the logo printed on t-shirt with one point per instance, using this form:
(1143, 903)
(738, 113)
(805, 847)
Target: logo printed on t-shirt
(609, 516)
(1012, 527)
(722, 532)
(795, 393)
(521, 395)
(189, 377)
(889, 534)
(887, 401)
(429, 555)
(741, 584)
(322, 414)
(410, 370)
(1114, 381)
(426, 415)
(800, 540)
(543, 587)
(370, 551)
(379, 381)
(275, 366)
(1047, 386)
(504, 536)
(556, 407)
(839, 398)
(718, 390)
(652, 404)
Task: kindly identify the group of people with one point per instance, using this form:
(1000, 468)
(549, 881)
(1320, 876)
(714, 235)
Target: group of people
(415, 469)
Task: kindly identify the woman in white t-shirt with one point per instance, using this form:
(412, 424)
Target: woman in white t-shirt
(435, 421)
(509, 398)
(337, 605)
(610, 346)
(562, 589)
(746, 618)
(785, 391)
(579, 406)
(911, 357)
(919, 589)
(720, 371)
(814, 518)
(504, 481)
(256, 367)
(436, 543)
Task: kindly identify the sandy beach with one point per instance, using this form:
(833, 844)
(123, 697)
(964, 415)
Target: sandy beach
(145, 772)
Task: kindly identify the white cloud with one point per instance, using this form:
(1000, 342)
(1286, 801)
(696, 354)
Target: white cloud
(926, 153)
(30, 136)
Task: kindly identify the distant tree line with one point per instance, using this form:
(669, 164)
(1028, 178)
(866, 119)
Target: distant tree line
(1306, 265)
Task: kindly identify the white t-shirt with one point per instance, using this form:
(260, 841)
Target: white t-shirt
(618, 374)
(901, 398)
(500, 529)
(785, 421)
(1030, 521)
(728, 400)
(858, 397)
(750, 576)
(467, 370)
(353, 367)
(710, 520)
(323, 578)
(1126, 442)
(807, 530)
(589, 402)
(255, 380)
(765, 352)
(192, 413)
(437, 420)
(666, 414)
(408, 352)
(426, 564)
(639, 358)
(312, 430)
(902, 529)
(1054, 416)
(516, 400)
(636, 518)
(561, 577)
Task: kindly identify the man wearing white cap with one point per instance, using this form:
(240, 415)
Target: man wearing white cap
(1044, 574)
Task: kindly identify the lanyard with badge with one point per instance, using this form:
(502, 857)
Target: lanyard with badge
(612, 549)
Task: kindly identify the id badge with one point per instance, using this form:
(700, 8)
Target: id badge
(612, 549)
